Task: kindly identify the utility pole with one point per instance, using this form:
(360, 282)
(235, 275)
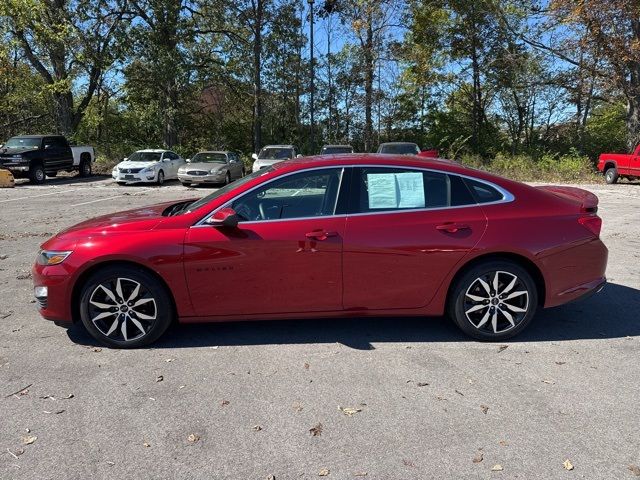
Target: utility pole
(312, 86)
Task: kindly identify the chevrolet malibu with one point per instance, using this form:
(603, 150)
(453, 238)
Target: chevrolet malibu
(359, 235)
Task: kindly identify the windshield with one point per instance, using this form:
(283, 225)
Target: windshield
(400, 148)
(208, 157)
(271, 153)
(145, 157)
(334, 150)
(22, 142)
(227, 188)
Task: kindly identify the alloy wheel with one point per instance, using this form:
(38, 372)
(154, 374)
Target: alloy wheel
(496, 302)
(122, 309)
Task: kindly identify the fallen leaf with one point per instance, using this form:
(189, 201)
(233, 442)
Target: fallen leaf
(159, 378)
(422, 384)
(193, 438)
(224, 403)
(324, 472)
(97, 349)
(181, 387)
(57, 412)
(316, 431)
(29, 439)
(502, 348)
(560, 363)
(550, 382)
(478, 458)
(146, 445)
(68, 397)
(459, 393)
(503, 443)
(306, 366)
(497, 468)
(297, 408)
(110, 463)
(168, 360)
(484, 409)
(349, 411)
(408, 463)
(257, 428)
(271, 477)
(568, 465)
(360, 474)
(634, 469)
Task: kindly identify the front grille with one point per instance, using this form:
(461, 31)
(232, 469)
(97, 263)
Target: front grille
(42, 302)
(197, 172)
(129, 170)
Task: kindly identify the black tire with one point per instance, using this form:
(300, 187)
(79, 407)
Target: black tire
(85, 168)
(227, 178)
(468, 290)
(37, 174)
(126, 319)
(611, 175)
(160, 180)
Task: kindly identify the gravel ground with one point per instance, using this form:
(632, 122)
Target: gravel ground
(254, 400)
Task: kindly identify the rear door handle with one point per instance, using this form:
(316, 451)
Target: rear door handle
(320, 234)
(452, 227)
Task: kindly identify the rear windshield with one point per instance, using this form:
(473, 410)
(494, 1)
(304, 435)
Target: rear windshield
(22, 142)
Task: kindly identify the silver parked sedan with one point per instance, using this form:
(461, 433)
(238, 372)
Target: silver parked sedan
(211, 167)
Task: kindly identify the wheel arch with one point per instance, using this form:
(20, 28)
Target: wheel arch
(609, 164)
(86, 274)
(516, 258)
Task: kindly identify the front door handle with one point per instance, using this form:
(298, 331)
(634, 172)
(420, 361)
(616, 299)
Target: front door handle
(320, 234)
(452, 227)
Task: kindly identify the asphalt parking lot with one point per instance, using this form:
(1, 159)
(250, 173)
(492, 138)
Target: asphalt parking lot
(359, 398)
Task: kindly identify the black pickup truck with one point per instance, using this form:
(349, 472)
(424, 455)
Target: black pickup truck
(38, 156)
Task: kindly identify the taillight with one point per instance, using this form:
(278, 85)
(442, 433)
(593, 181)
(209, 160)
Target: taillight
(592, 223)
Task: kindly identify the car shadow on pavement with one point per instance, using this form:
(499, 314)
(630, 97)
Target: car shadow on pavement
(613, 313)
(63, 180)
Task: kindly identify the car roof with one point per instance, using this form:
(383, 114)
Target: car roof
(278, 146)
(398, 143)
(215, 151)
(36, 136)
(152, 150)
(337, 146)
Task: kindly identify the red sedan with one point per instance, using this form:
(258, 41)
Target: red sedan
(361, 235)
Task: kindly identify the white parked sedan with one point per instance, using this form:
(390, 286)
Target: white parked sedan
(148, 166)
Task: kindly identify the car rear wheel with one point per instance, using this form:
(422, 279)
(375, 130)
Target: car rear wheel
(125, 307)
(493, 301)
(36, 174)
(160, 178)
(611, 176)
(85, 168)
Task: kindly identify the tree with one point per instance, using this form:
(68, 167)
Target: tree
(70, 44)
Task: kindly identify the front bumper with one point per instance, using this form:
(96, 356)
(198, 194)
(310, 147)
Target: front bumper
(211, 178)
(135, 177)
(55, 305)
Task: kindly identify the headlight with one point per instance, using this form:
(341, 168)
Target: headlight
(146, 170)
(215, 171)
(49, 257)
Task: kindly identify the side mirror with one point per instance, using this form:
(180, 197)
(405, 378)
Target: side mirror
(188, 160)
(165, 159)
(254, 156)
(298, 156)
(125, 159)
(225, 217)
(47, 146)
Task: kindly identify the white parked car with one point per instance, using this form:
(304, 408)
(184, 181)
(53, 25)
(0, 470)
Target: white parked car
(148, 166)
(273, 154)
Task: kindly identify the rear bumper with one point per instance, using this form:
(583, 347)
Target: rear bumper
(574, 273)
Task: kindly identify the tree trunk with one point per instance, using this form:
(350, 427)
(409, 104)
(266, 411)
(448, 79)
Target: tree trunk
(257, 77)
(633, 122)
(368, 87)
(63, 113)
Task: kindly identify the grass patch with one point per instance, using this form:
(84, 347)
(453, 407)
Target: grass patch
(570, 168)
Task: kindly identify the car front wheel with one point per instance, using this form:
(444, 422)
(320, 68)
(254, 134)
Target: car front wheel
(493, 301)
(160, 178)
(611, 176)
(125, 307)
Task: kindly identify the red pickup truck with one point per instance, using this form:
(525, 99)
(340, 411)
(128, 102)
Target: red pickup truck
(617, 165)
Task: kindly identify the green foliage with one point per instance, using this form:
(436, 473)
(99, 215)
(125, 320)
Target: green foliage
(569, 168)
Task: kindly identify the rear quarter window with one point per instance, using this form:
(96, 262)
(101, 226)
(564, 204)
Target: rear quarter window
(484, 193)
